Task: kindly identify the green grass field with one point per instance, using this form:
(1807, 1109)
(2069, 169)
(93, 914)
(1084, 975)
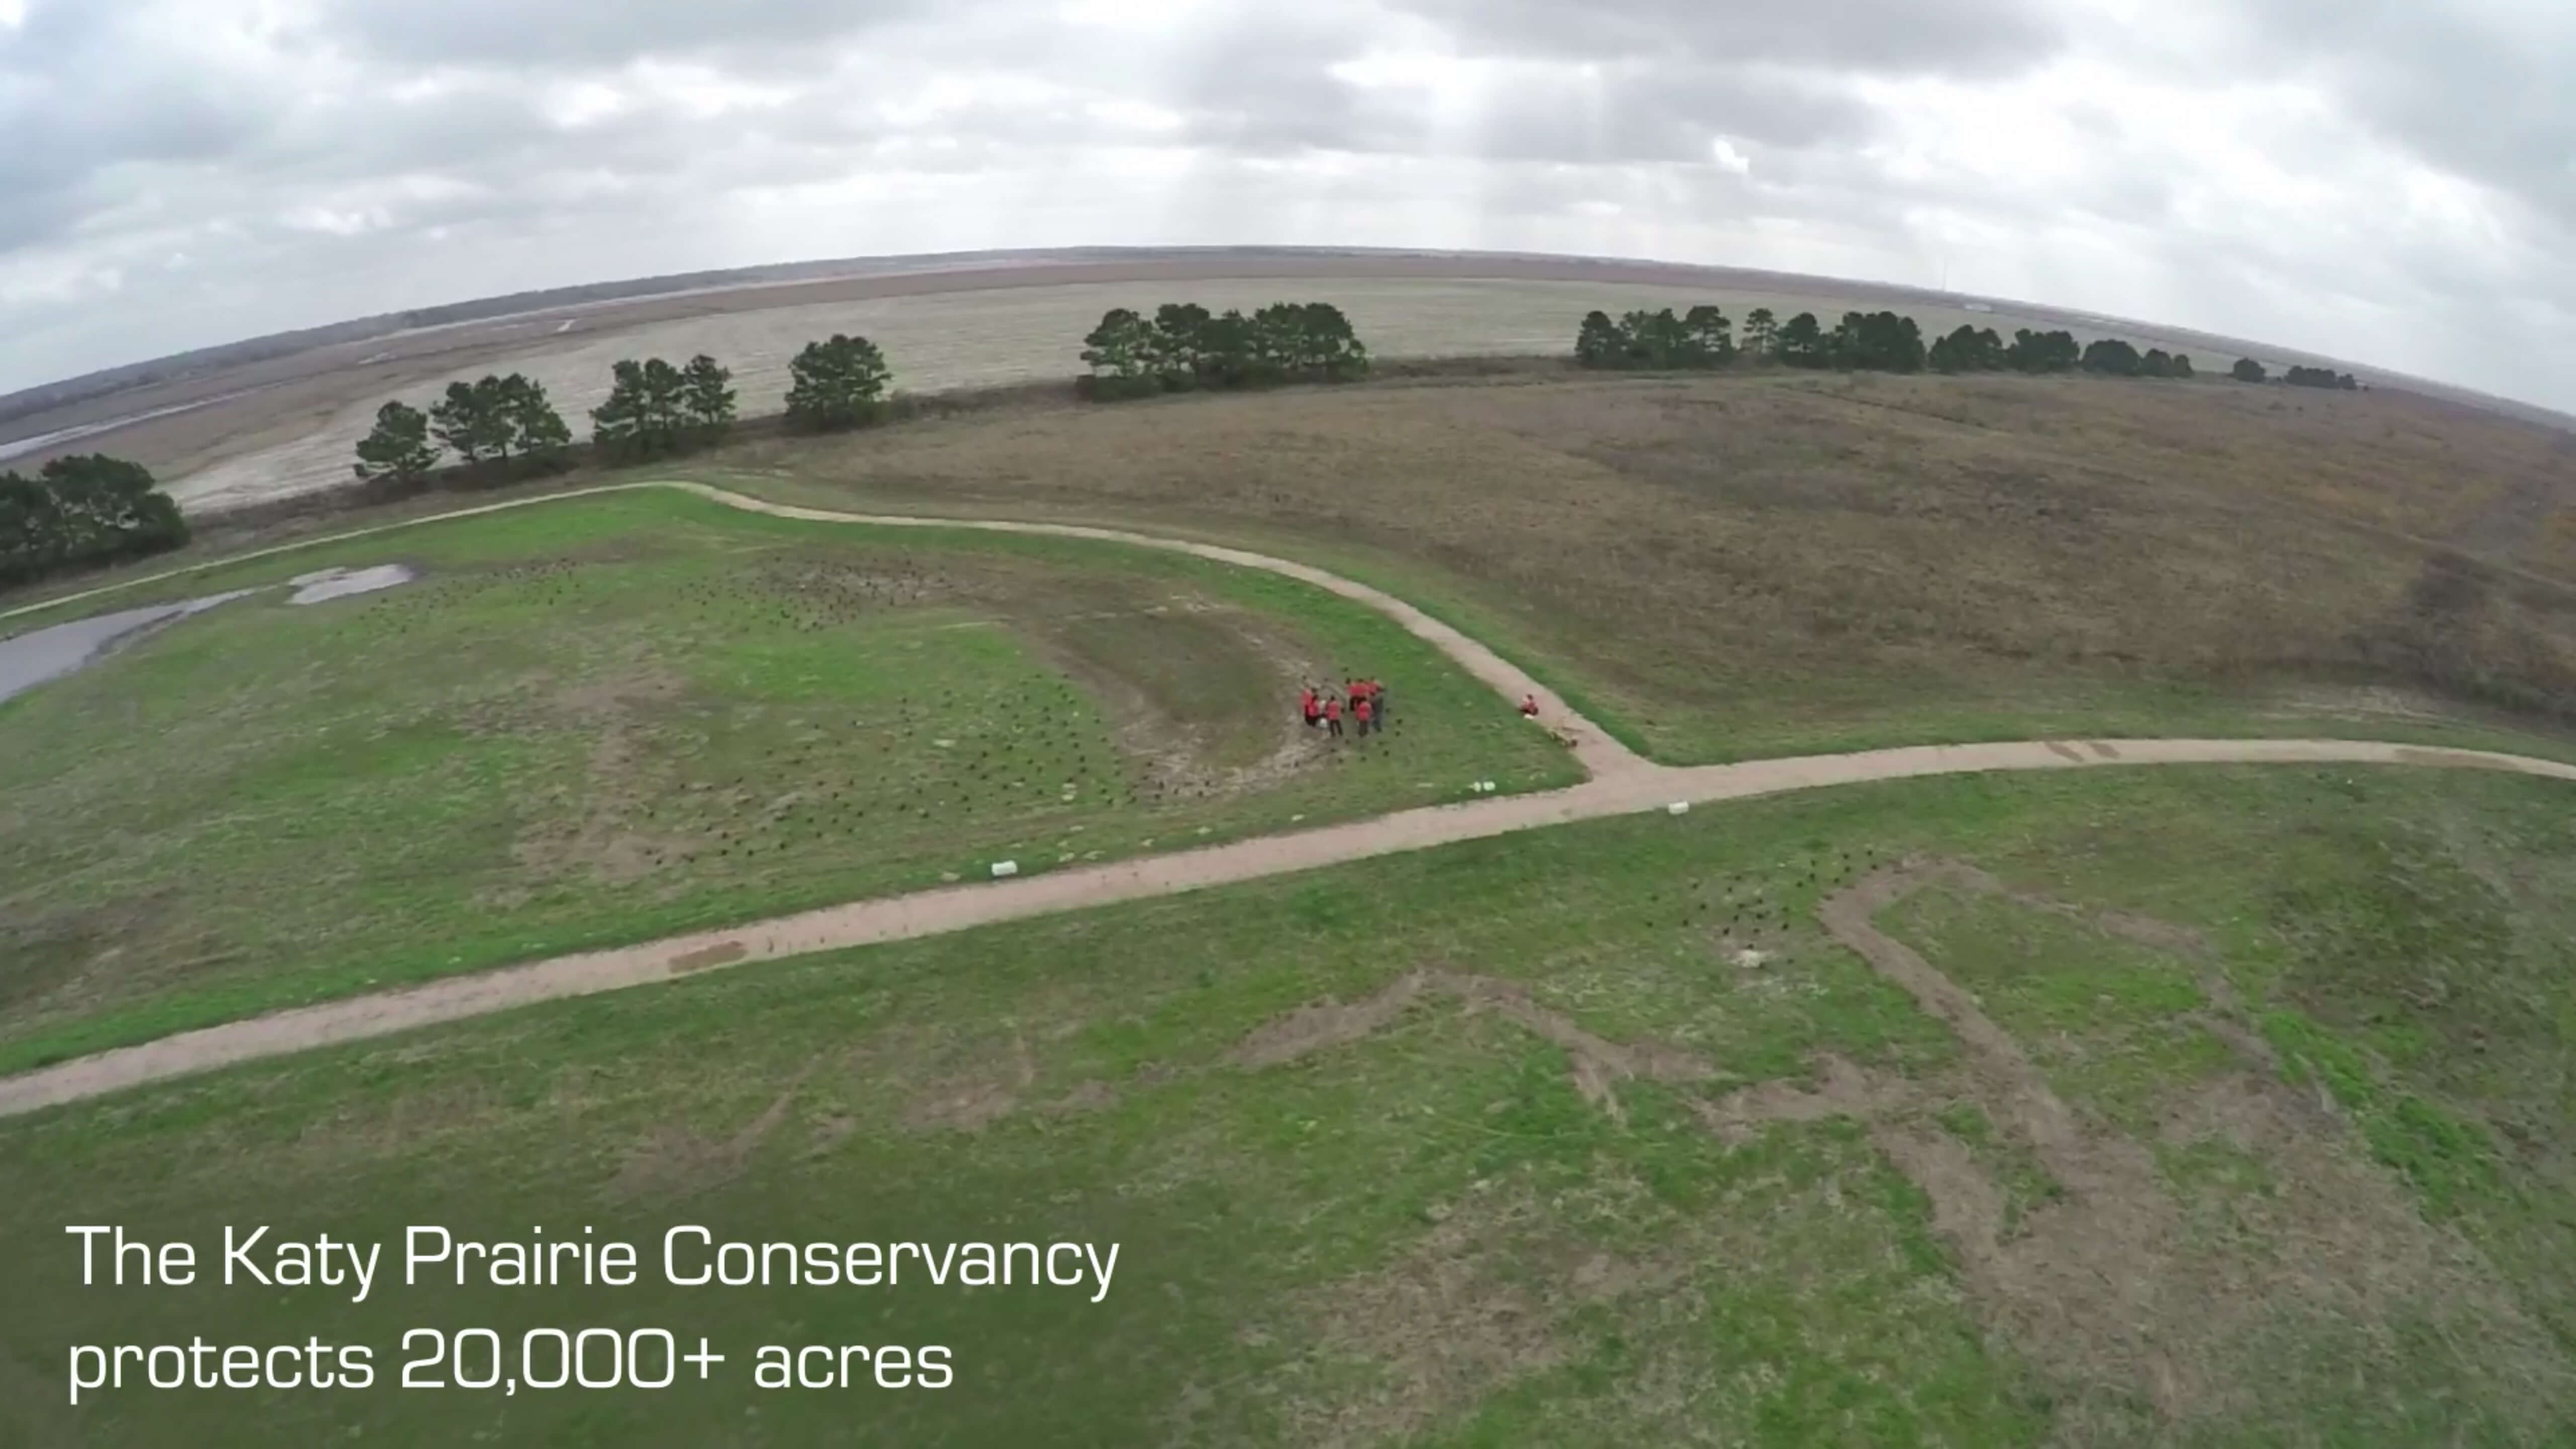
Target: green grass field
(1526, 1182)
(608, 719)
(2181, 1106)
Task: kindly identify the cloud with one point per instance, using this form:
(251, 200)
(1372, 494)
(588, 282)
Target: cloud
(2386, 183)
(90, 103)
(2483, 89)
(1902, 37)
(524, 35)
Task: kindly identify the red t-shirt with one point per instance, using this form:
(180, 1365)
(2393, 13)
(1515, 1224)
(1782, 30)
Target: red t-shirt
(1362, 707)
(1332, 709)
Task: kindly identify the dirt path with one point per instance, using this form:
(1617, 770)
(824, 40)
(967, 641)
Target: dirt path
(1642, 786)
(1600, 755)
(1622, 783)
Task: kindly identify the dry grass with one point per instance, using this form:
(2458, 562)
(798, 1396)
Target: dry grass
(288, 426)
(1747, 562)
(936, 343)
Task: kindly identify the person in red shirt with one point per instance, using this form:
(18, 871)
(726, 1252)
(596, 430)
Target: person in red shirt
(1529, 706)
(1313, 707)
(1361, 708)
(1333, 716)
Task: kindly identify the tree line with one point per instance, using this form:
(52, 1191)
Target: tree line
(653, 410)
(1184, 347)
(2325, 377)
(1704, 337)
(81, 513)
(656, 410)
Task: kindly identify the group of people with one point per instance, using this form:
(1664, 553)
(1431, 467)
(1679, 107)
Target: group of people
(1362, 701)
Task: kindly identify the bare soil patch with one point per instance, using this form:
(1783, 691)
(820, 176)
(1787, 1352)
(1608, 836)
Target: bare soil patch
(674, 1162)
(1433, 1332)
(2132, 1289)
(1595, 1064)
(2117, 1289)
(966, 1087)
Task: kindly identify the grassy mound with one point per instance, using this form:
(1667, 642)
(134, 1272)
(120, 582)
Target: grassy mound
(609, 719)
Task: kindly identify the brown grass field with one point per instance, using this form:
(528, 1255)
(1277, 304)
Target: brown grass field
(1760, 563)
(1763, 562)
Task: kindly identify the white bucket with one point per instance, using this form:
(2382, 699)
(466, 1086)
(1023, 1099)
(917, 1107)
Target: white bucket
(1005, 868)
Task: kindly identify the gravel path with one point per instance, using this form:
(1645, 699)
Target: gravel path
(1621, 783)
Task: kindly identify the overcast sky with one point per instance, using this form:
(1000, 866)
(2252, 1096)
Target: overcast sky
(2391, 183)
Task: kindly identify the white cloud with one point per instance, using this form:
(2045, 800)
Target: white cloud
(2394, 187)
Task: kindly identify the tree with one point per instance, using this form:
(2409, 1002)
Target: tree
(2112, 357)
(31, 532)
(645, 415)
(1801, 342)
(1712, 336)
(2042, 351)
(706, 400)
(2247, 370)
(1878, 342)
(472, 420)
(1334, 351)
(2181, 366)
(537, 433)
(1968, 349)
(83, 511)
(1184, 346)
(1120, 353)
(1655, 339)
(399, 448)
(836, 384)
(1275, 342)
(2157, 363)
(1598, 343)
(1225, 350)
(1761, 330)
(2325, 377)
(1178, 358)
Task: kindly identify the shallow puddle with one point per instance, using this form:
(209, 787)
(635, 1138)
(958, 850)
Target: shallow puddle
(341, 583)
(31, 659)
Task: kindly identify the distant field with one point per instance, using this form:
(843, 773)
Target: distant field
(611, 719)
(287, 424)
(2256, 1130)
(1770, 564)
(951, 340)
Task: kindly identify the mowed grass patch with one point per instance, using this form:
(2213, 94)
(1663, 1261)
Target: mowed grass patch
(1750, 565)
(1360, 1212)
(607, 719)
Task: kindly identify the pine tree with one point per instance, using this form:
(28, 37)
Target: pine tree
(398, 448)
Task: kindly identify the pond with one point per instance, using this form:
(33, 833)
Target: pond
(31, 659)
(341, 583)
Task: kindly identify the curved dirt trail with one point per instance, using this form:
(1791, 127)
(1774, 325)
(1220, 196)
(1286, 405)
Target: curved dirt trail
(1644, 786)
(1602, 757)
(1621, 783)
